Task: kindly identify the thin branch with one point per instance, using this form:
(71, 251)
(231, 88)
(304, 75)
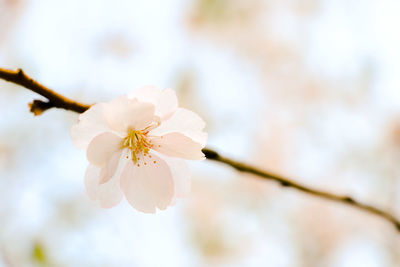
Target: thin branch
(242, 167)
(55, 100)
(59, 101)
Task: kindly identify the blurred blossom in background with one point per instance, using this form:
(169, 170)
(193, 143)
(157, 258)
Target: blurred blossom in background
(309, 89)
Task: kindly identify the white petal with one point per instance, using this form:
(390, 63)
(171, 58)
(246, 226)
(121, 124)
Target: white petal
(177, 145)
(109, 194)
(103, 184)
(102, 147)
(90, 124)
(165, 101)
(111, 168)
(123, 113)
(148, 186)
(92, 180)
(186, 122)
(181, 175)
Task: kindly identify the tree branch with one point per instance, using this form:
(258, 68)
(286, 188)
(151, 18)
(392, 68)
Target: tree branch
(59, 101)
(285, 182)
(55, 100)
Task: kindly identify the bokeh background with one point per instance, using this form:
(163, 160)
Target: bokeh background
(309, 89)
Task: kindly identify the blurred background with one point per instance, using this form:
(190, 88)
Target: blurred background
(309, 89)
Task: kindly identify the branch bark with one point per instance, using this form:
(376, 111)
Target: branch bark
(54, 100)
(59, 101)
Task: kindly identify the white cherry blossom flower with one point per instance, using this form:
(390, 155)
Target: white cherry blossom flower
(137, 145)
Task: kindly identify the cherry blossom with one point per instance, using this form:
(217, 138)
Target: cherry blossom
(137, 146)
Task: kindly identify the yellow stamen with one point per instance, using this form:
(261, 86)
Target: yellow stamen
(137, 142)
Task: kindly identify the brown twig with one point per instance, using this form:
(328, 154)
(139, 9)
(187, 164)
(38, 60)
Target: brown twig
(59, 101)
(242, 167)
(39, 106)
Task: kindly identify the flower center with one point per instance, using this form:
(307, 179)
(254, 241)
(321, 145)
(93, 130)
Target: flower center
(137, 142)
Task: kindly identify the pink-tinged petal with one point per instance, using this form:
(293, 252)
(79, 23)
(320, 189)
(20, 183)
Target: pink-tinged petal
(177, 145)
(109, 194)
(111, 168)
(123, 113)
(103, 184)
(181, 175)
(90, 124)
(165, 101)
(186, 122)
(102, 148)
(148, 186)
(92, 180)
